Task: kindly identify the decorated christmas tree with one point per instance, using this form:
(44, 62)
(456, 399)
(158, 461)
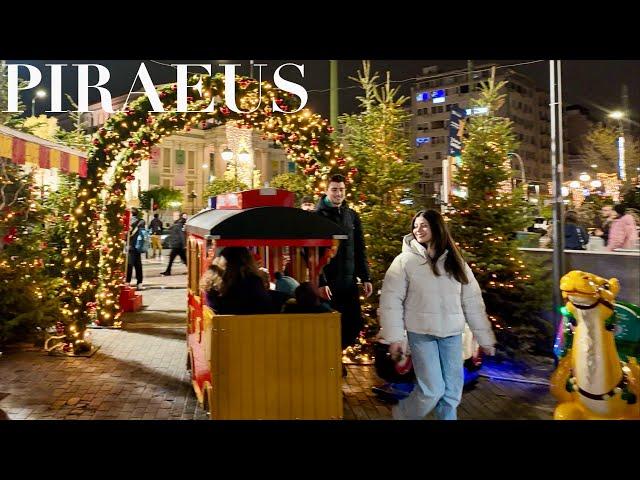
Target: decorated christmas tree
(378, 148)
(484, 223)
(28, 295)
(293, 182)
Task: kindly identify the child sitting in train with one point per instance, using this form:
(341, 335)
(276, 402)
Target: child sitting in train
(307, 300)
(278, 298)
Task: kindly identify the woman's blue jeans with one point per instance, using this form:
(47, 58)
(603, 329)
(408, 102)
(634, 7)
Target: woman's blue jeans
(439, 372)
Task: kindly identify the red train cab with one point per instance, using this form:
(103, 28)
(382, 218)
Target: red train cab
(267, 366)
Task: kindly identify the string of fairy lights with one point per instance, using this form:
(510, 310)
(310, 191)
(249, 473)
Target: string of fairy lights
(94, 259)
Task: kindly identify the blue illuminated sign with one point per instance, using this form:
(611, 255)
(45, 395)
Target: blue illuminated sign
(422, 140)
(422, 97)
(438, 96)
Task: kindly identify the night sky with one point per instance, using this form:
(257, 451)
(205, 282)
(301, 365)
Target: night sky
(595, 84)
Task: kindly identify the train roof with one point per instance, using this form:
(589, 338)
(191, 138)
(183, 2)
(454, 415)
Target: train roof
(263, 223)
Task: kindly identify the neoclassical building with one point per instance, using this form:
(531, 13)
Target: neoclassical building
(188, 161)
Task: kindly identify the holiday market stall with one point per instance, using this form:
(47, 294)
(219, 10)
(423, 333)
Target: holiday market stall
(31, 236)
(36, 153)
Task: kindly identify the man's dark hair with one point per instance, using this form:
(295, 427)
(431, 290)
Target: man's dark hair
(134, 212)
(156, 215)
(306, 199)
(620, 209)
(337, 178)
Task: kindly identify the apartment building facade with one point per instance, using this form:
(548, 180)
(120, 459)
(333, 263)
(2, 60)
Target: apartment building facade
(436, 93)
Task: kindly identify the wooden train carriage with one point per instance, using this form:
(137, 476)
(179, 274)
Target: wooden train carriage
(271, 366)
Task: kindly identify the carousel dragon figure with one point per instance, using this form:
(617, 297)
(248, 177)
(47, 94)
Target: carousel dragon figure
(591, 381)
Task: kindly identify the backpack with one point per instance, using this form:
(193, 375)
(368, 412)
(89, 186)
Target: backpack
(143, 241)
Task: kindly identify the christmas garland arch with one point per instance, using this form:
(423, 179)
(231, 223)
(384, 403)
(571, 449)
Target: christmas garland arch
(94, 258)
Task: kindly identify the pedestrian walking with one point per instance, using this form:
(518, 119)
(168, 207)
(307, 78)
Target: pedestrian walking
(134, 259)
(429, 291)
(156, 240)
(178, 244)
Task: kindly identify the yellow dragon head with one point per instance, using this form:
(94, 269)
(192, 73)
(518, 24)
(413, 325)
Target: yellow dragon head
(586, 290)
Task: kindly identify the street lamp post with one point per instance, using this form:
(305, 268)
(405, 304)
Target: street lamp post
(244, 156)
(227, 155)
(618, 115)
(524, 178)
(39, 94)
(558, 269)
(192, 196)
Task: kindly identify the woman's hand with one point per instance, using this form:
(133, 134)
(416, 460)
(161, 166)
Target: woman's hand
(489, 350)
(395, 350)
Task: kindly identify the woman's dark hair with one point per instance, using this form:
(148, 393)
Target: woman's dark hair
(441, 241)
(620, 209)
(571, 217)
(240, 265)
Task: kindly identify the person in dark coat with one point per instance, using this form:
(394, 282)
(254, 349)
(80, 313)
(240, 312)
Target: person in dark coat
(156, 231)
(575, 236)
(339, 277)
(178, 244)
(134, 259)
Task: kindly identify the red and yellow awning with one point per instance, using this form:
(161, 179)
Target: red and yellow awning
(24, 149)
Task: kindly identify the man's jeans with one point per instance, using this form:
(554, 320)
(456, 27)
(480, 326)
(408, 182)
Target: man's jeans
(439, 371)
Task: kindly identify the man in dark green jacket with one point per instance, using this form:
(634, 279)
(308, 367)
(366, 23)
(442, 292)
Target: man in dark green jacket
(338, 281)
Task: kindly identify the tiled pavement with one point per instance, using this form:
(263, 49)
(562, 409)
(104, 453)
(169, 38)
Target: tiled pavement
(139, 373)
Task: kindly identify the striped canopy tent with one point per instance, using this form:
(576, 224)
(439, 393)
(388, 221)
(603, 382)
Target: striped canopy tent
(24, 149)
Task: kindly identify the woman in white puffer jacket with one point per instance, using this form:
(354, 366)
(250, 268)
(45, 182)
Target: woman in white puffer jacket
(430, 292)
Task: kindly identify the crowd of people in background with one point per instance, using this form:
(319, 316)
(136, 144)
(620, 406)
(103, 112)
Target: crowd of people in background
(136, 246)
(614, 228)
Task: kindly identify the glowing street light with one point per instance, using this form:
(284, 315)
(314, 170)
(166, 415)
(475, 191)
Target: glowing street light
(618, 115)
(244, 156)
(227, 154)
(584, 177)
(39, 94)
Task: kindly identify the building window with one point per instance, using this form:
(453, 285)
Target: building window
(437, 124)
(464, 88)
(191, 163)
(437, 170)
(166, 160)
(438, 157)
(212, 163)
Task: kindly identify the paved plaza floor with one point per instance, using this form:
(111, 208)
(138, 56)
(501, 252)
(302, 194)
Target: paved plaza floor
(139, 372)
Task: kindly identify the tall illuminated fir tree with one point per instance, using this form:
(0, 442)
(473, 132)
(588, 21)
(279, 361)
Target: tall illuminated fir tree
(378, 149)
(29, 300)
(484, 222)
